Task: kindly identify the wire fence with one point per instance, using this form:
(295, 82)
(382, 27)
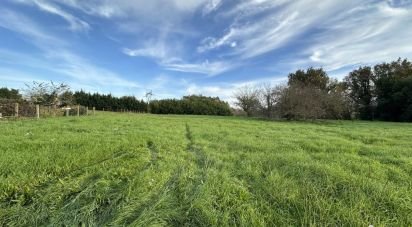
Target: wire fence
(22, 109)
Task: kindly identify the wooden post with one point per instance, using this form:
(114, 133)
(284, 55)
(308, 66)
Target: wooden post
(94, 111)
(38, 111)
(78, 110)
(16, 109)
(87, 111)
(67, 112)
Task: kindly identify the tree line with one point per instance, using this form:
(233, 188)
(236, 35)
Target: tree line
(59, 95)
(381, 92)
(109, 102)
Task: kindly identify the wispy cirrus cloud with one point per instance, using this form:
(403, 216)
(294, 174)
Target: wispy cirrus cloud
(158, 50)
(205, 67)
(81, 69)
(172, 10)
(205, 42)
(212, 5)
(279, 23)
(168, 57)
(28, 30)
(376, 34)
(54, 55)
(335, 34)
(75, 23)
(211, 43)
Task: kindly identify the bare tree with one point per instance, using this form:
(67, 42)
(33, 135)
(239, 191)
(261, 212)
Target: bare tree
(45, 93)
(148, 96)
(247, 98)
(302, 102)
(266, 99)
(309, 102)
(269, 97)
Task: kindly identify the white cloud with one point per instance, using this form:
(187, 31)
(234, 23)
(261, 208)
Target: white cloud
(154, 10)
(82, 70)
(205, 67)
(54, 55)
(152, 52)
(159, 50)
(279, 23)
(333, 34)
(211, 43)
(30, 31)
(364, 35)
(225, 91)
(165, 55)
(252, 7)
(75, 23)
(211, 6)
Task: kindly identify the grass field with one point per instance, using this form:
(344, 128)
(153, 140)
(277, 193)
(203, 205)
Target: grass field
(143, 170)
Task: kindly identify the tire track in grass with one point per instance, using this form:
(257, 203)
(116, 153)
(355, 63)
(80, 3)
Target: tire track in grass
(154, 153)
(172, 190)
(154, 157)
(89, 185)
(121, 188)
(203, 163)
(201, 159)
(155, 200)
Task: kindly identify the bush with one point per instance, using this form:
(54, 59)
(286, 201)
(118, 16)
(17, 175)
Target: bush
(192, 105)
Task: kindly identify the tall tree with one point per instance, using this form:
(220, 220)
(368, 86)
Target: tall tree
(316, 78)
(360, 84)
(394, 90)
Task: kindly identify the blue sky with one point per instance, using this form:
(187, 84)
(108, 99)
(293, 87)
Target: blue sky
(180, 47)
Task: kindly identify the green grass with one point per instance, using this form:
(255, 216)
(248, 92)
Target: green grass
(148, 170)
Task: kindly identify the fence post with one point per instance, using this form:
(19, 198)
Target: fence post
(38, 111)
(78, 110)
(16, 109)
(67, 112)
(87, 111)
(94, 110)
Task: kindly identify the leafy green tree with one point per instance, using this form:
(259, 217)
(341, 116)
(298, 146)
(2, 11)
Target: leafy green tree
(193, 104)
(109, 102)
(393, 83)
(316, 78)
(6, 93)
(360, 84)
(66, 98)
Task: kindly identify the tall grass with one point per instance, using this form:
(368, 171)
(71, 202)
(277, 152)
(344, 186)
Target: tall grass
(143, 170)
